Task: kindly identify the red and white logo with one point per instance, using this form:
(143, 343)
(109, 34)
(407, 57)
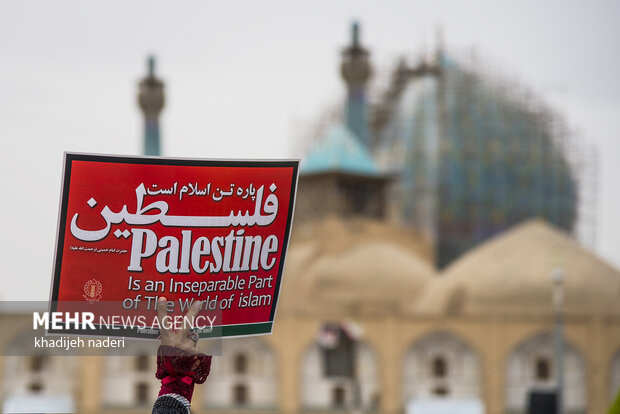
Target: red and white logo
(92, 290)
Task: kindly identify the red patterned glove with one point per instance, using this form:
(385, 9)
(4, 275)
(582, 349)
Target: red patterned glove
(179, 370)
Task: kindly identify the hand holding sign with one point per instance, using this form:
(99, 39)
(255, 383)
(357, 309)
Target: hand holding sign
(180, 338)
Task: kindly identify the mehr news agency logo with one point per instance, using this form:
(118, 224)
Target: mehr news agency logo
(70, 322)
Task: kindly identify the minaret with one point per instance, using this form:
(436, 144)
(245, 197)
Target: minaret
(356, 71)
(151, 101)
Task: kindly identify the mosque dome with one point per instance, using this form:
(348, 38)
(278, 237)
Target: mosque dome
(358, 264)
(340, 150)
(511, 274)
(483, 151)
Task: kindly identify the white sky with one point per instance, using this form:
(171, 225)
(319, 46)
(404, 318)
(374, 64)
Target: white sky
(242, 76)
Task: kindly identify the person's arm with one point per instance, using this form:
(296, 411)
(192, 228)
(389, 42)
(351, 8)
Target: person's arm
(179, 364)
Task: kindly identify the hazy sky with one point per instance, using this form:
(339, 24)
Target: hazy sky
(241, 77)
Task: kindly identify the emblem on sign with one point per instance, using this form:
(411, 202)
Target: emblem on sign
(92, 290)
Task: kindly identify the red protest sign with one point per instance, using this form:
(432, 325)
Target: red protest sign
(134, 229)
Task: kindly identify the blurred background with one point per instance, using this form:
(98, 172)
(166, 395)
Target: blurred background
(455, 238)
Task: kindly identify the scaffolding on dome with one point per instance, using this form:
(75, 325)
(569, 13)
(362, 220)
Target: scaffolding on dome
(477, 154)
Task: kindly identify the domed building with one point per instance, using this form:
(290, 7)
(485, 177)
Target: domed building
(370, 254)
(369, 320)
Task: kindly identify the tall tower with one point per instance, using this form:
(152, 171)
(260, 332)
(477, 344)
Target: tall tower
(151, 101)
(356, 71)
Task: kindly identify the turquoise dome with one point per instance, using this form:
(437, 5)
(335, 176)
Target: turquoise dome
(339, 151)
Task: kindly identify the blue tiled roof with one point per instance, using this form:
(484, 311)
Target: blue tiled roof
(339, 151)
